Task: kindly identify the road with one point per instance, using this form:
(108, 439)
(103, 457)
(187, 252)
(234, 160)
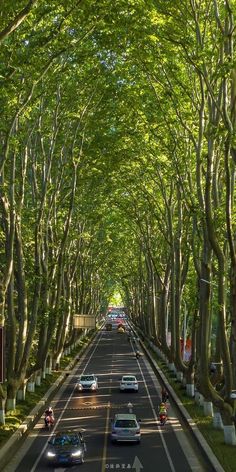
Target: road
(110, 356)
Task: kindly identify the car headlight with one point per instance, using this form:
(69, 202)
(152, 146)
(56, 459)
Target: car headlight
(77, 453)
(51, 454)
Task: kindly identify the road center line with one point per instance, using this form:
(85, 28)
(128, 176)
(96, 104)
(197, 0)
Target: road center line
(104, 454)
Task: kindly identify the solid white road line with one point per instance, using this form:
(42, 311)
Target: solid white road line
(186, 447)
(180, 434)
(156, 419)
(104, 455)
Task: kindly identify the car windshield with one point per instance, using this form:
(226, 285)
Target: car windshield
(125, 424)
(66, 440)
(129, 379)
(87, 377)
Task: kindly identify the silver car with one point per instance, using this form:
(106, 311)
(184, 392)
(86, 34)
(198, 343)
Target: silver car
(126, 428)
(129, 382)
(87, 382)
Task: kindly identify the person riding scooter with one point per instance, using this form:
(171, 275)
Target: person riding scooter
(49, 416)
(162, 410)
(164, 395)
(137, 354)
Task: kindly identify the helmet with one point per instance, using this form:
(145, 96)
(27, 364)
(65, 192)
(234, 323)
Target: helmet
(162, 404)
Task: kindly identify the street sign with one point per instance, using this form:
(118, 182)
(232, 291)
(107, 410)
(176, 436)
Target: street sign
(2, 354)
(84, 321)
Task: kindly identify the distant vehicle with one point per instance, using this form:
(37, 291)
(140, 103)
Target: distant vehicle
(87, 382)
(113, 315)
(125, 427)
(121, 328)
(129, 382)
(108, 326)
(67, 447)
(120, 321)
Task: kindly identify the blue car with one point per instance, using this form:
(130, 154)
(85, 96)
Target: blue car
(66, 448)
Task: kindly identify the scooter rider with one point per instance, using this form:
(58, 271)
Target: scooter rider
(162, 409)
(164, 395)
(49, 412)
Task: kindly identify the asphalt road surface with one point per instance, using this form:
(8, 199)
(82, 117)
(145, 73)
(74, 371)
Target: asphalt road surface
(168, 448)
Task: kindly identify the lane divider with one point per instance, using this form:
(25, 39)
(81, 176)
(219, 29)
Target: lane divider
(212, 462)
(104, 454)
(156, 419)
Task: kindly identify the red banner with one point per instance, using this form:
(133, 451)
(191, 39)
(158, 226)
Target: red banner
(186, 353)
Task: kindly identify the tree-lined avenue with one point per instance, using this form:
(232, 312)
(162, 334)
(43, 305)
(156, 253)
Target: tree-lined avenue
(110, 357)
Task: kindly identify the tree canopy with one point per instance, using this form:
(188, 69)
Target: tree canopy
(117, 168)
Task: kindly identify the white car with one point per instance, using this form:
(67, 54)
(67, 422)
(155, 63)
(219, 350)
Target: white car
(129, 382)
(87, 382)
(125, 427)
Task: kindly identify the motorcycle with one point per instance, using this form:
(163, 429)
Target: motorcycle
(163, 418)
(49, 421)
(164, 397)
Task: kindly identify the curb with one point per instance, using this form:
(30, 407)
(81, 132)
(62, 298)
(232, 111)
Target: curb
(17, 437)
(202, 443)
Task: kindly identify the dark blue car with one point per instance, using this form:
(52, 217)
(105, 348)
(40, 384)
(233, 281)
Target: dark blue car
(67, 447)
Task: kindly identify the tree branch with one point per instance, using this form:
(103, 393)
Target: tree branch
(13, 25)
